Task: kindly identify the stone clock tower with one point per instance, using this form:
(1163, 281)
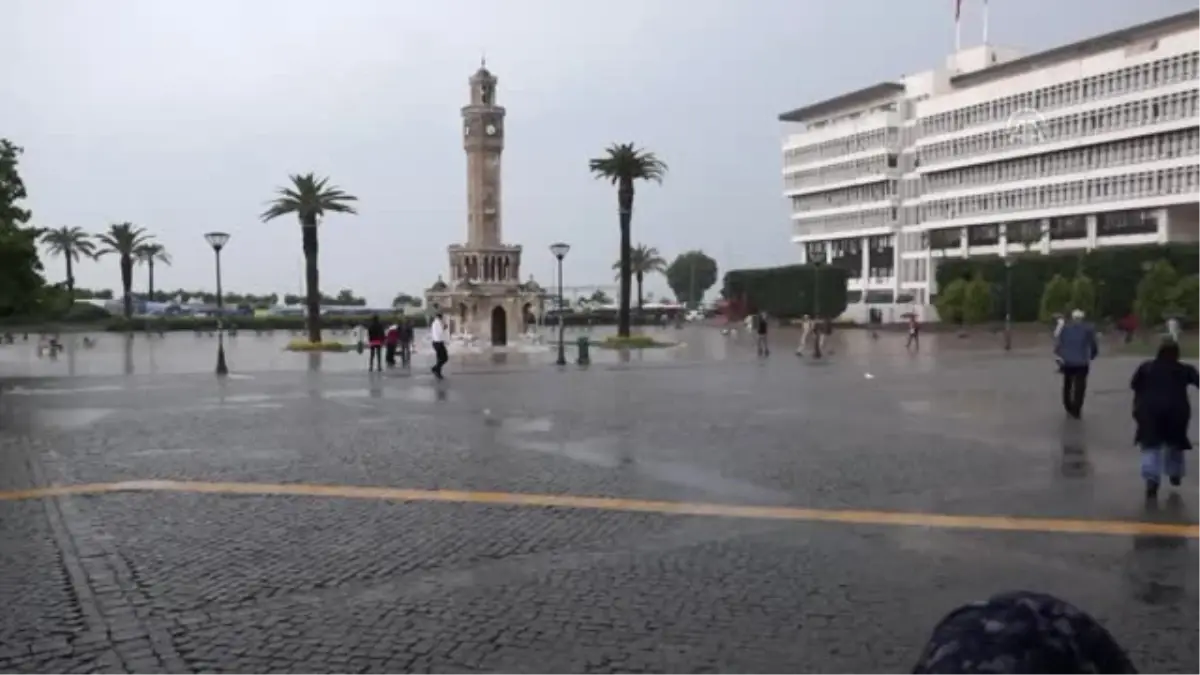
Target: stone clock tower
(485, 298)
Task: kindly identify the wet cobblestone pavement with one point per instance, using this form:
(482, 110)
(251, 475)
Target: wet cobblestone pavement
(235, 576)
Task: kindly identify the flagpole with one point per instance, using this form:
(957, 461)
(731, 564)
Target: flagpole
(985, 22)
(957, 26)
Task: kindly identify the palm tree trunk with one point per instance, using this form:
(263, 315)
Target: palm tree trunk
(625, 205)
(150, 279)
(639, 298)
(70, 279)
(312, 281)
(127, 285)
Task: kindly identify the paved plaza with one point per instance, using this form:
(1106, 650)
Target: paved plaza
(686, 510)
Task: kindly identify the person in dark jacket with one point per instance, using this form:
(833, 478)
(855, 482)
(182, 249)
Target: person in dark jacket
(1075, 348)
(1162, 412)
(375, 338)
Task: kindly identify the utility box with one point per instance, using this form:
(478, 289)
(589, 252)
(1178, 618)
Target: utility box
(583, 344)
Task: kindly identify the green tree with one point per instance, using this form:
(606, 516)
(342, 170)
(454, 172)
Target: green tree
(123, 240)
(148, 254)
(1185, 298)
(1083, 294)
(623, 164)
(20, 268)
(977, 301)
(643, 260)
(950, 301)
(72, 243)
(1056, 297)
(1155, 293)
(406, 300)
(690, 276)
(310, 198)
(599, 297)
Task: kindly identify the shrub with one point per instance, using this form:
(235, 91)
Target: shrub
(949, 301)
(1155, 293)
(789, 291)
(976, 301)
(635, 341)
(1083, 295)
(1055, 298)
(304, 345)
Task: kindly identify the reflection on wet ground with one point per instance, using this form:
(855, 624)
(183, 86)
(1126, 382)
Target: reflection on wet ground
(180, 353)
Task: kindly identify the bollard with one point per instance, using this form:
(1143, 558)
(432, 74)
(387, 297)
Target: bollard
(582, 345)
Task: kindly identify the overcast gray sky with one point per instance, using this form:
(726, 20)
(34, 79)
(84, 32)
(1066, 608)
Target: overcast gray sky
(183, 115)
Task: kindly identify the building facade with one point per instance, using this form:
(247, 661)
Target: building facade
(1087, 145)
(484, 296)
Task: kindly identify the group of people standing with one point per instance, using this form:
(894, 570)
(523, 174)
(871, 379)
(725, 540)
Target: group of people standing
(384, 344)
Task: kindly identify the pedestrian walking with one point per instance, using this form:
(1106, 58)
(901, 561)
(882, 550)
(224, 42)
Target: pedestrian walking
(437, 335)
(406, 341)
(761, 328)
(375, 337)
(806, 331)
(1075, 348)
(914, 334)
(1162, 413)
(391, 342)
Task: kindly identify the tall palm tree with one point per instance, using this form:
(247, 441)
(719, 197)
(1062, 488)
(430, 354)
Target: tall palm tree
(150, 253)
(72, 243)
(310, 198)
(622, 165)
(643, 260)
(124, 240)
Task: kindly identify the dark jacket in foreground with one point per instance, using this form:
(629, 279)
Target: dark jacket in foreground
(1160, 401)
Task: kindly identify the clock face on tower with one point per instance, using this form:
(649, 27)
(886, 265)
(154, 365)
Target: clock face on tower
(467, 129)
(491, 130)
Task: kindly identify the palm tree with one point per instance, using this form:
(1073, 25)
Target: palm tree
(310, 198)
(124, 240)
(643, 260)
(622, 165)
(71, 243)
(151, 253)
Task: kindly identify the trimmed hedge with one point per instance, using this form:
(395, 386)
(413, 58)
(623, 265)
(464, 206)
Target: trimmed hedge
(296, 323)
(1115, 271)
(789, 291)
(240, 322)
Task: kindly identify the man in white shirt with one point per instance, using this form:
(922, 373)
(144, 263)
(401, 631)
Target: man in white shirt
(437, 335)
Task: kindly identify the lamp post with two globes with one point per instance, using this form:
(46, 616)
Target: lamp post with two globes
(218, 240)
(560, 251)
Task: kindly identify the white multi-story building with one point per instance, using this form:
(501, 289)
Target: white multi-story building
(1087, 145)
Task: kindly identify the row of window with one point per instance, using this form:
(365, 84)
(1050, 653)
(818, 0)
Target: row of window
(1159, 73)
(838, 147)
(847, 196)
(837, 173)
(1157, 110)
(856, 220)
(1162, 182)
(1168, 145)
(1112, 223)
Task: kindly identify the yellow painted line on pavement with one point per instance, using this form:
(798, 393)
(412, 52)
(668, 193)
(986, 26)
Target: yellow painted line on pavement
(852, 517)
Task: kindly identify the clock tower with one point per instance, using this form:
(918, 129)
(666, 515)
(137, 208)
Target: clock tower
(483, 140)
(484, 296)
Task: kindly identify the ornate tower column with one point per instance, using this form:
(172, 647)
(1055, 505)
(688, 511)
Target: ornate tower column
(483, 141)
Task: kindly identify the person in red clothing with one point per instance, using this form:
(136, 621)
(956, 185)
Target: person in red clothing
(391, 340)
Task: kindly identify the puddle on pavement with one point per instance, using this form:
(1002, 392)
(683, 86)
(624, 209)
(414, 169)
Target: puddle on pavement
(52, 391)
(66, 418)
(252, 454)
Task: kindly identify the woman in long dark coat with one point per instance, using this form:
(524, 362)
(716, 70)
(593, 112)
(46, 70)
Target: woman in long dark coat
(1163, 412)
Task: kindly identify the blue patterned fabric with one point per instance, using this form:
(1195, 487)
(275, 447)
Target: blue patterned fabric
(1021, 632)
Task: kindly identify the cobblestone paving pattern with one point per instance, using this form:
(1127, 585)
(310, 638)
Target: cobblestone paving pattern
(142, 582)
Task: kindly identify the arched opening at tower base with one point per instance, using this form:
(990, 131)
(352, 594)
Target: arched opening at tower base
(499, 327)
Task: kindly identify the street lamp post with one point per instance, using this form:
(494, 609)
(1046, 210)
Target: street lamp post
(1008, 263)
(218, 240)
(817, 261)
(560, 251)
